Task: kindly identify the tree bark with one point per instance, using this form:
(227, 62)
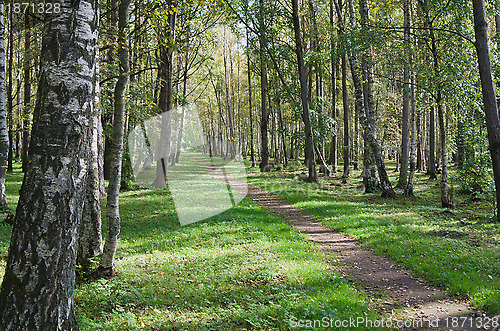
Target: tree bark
(100, 140)
(230, 137)
(183, 105)
(264, 165)
(165, 75)
(497, 22)
(333, 63)
(306, 116)
(368, 121)
(112, 207)
(445, 200)
(37, 289)
(250, 109)
(488, 90)
(110, 59)
(282, 133)
(359, 104)
(4, 130)
(370, 180)
(421, 138)
(405, 125)
(89, 232)
(127, 173)
(431, 168)
(10, 106)
(27, 90)
(460, 156)
(345, 103)
(413, 147)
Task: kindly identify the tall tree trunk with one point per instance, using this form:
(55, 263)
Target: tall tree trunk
(333, 63)
(488, 90)
(445, 200)
(127, 173)
(100, 141)
(282, 133)
(369, 122)
(460, 139)
(183, 105)
(89, 231)
(4, 130)
(27, 90)
(110, 59)
(420, 140)
(19, 110)
(405, 125)
(431, 168)
(37, 289)
(231, 141)
(306, 116)
(165, 74)
(112, 207)
(10, 106)
(370, 180)
(413, 146)
(345, 103)
(361, 105)
(497, 21)
(175, 109)
(250, 109)
(264, 165)
(357, 142)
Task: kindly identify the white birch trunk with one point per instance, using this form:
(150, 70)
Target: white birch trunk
(4, 131)
(37, 289)
(112, 208)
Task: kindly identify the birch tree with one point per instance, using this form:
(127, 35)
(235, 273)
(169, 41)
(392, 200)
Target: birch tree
(264, 165)
(368, 119)
(166, 38)
(306, 116)
(405, 122)
(4, 131)
(27, 90)
(89, 235)
(37, 289)
(345, 101)
(333, 63)
(112, 207)
(409, 94)
(250, 108)
(488, 90)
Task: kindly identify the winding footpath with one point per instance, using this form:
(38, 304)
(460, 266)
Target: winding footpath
(396, 294)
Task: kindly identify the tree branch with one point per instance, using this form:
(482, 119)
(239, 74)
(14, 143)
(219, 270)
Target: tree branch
(424, 28)
(411, 83)
(130, 75)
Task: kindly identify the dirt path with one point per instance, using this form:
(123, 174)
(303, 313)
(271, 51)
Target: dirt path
(395, 292)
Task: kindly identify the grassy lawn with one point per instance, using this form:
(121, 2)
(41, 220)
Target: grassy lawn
(240, 270)
(458, 250)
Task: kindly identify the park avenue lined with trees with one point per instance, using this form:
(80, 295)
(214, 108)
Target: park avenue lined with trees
(322, 100)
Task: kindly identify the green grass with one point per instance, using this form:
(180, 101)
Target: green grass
(240, 270)
(457, 250)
